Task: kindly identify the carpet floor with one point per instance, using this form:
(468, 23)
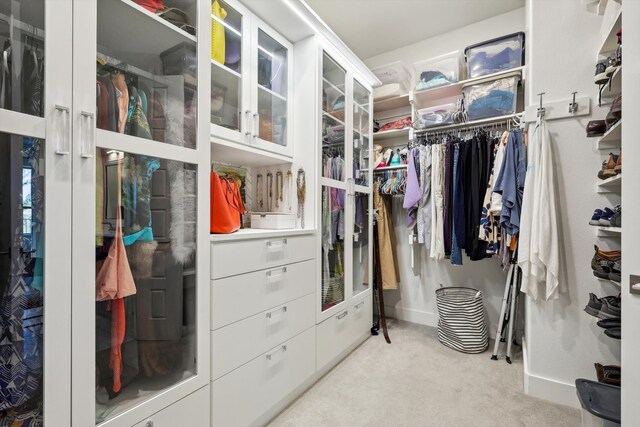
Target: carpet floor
(416, 381)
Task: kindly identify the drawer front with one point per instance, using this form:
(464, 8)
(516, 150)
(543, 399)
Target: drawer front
(242, 396)
(193, 410)
(335, 334)
(362, 317)
(236, 344)
(238, 297)
(238, 257)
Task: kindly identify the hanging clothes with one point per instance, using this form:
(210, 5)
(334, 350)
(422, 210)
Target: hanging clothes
(456, 221)
(386, 239)
(448, 196)
(539, 251)
(424, 205)
(437, 206)
(510, 182)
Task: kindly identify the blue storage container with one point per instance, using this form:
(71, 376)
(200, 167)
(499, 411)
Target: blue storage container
(492, 98)
(492, 56)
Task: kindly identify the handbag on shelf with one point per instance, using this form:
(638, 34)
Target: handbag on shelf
(226, 205)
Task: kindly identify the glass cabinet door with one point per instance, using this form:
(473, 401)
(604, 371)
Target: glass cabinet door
(271, 100)
(136, 201)
(333, 247)
(22, 58)
(35, 212)
(228, 68)
(333, 119)
(361, 134)
(361, 243)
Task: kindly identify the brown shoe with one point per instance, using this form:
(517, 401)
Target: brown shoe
(618, 167)
(608, 374)
(616, 107)
(608, 167)
(596, 128)
(603, 261)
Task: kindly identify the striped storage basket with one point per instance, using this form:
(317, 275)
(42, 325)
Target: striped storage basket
(462, 324)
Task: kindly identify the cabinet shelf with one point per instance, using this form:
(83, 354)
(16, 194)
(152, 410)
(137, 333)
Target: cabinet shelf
(226, 69)
(389, 104)
(153, 35)
(238, 154)
(332, 117)
(431, 97)
(270, 92)
(612, 138)
(610, 185)
(392, 134)
(339, 91)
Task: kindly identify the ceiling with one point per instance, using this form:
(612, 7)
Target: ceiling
(372, 27)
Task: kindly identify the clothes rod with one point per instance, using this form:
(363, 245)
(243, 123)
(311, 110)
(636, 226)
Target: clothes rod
(474, 124)
(23, 26)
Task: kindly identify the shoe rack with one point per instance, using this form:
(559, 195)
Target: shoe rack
(611, 140)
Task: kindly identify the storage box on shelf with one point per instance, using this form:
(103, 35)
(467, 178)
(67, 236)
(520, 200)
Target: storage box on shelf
(435, 96)
(491, 98)
(439, 71)
(496, 55)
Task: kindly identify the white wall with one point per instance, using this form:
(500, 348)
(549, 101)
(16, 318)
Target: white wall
(415, 299)
(563, 342)
(630, 249)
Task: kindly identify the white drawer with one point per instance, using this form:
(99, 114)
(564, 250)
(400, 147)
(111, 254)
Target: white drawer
(335, 334)
(238, 297)
(238, 343)
(362, 317)
(242, 396)
(238, 257)
(193, 410)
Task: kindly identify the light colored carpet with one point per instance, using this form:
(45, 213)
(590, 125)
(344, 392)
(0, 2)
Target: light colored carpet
(416, 381)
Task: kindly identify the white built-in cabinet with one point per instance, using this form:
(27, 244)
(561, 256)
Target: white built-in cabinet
(73, 172)
(206, 329)
(251, 71)
(345, 202)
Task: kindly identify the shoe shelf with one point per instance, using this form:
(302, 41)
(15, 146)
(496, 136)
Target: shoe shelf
(609, 231)
(430, 97)
(610, 185)
(612, 138)
(612, 282)
(609, 39)
(613, 88)
(392, 134)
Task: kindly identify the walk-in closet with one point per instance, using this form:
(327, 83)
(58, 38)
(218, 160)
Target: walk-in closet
(238, 213)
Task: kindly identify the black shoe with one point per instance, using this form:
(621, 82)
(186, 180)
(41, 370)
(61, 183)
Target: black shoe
(615, 333)
(609, 323)
(601, 72)
(611, 308)
(593, 306)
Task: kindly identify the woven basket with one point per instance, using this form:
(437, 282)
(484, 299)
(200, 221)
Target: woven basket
(462, 324)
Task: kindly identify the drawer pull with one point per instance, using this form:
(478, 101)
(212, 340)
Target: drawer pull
(282, 309)
(342, 315)
(360, 304)
(276, 244)
(271, 275)
(282, 348)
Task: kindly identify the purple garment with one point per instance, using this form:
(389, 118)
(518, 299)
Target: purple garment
(412, 194)
(448, 196)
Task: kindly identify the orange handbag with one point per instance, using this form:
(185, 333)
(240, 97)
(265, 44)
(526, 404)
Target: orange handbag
(226, 205)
